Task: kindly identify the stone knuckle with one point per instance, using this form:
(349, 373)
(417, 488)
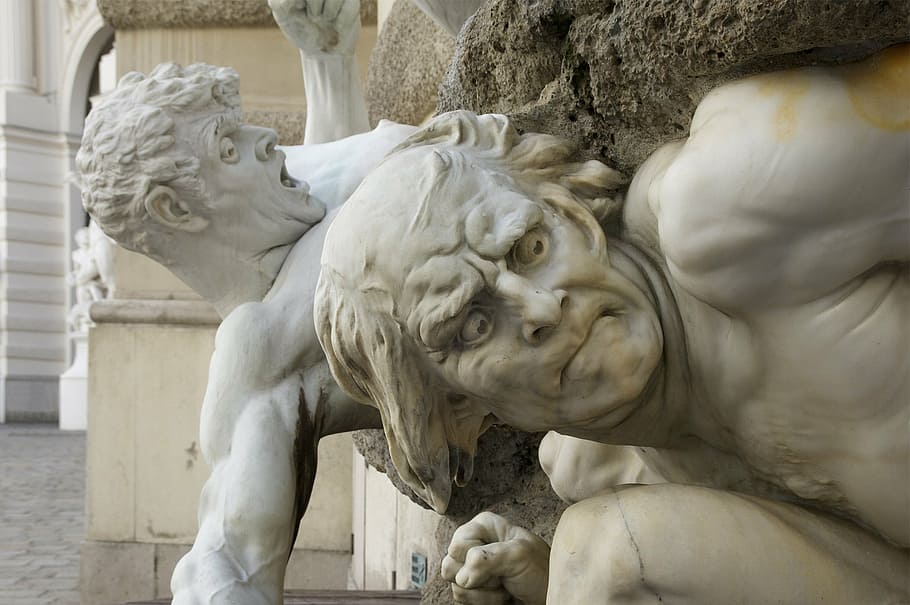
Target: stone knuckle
(488, 519)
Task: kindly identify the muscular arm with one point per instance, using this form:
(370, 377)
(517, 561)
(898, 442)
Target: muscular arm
(326, 33)
(790, 184)
(248, 429)
(335, 104)
(579, 469)
(265, 409)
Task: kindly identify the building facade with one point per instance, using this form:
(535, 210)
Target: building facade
(49, 53)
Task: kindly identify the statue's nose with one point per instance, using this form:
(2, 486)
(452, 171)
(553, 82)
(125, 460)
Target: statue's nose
(265, 145)
(539, 309)
(542, 311)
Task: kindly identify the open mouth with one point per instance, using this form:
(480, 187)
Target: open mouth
(287, 180)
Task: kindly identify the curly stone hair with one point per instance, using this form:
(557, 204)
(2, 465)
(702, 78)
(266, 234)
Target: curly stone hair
(130, 143)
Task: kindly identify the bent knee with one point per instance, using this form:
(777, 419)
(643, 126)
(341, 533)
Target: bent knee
(615, 547)
(595, 556)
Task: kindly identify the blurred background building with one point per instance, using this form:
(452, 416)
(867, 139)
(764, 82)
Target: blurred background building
(50, 66)
(149, 345)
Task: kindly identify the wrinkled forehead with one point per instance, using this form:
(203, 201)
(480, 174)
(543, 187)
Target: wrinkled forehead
(426, 222)
(200, 129)
(454, 199)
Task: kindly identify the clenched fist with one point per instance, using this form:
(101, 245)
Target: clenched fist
(490, 561)
(319, 27)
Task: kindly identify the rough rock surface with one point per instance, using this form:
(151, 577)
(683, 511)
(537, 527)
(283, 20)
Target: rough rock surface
(407, 65)
(289, 125)
(145, 14)
(507, 480)
(621, 77)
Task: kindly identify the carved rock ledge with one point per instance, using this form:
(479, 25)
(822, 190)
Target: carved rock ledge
(141, 14)
(180, 312)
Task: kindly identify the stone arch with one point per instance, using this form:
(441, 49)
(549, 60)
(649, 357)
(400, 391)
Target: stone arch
(80, 60)
(83, 48)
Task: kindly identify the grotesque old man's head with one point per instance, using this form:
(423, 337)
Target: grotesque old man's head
(167, 155)
(469, 280)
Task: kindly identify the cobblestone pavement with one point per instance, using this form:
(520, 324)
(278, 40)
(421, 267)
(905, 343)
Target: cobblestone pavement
(42, 487)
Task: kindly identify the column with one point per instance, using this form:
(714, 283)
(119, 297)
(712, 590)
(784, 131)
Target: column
(17, 50)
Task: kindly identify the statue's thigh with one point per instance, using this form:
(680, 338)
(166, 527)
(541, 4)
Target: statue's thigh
(682, 544)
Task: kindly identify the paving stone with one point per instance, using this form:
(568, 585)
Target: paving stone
(42, 491)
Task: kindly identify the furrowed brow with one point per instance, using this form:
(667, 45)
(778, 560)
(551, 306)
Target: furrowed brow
(440, 325)
(213, 129)
(444, 289)
(225, 124)
(491, 229)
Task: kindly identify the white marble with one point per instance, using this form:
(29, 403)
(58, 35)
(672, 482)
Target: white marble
(74, 387)
(746, 330)
(92, 276)
(326, 33)
(241, 222)
(92, 279)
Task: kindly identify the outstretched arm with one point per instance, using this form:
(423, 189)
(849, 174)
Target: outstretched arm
(269, 399)
(248, 430)
(326, 33)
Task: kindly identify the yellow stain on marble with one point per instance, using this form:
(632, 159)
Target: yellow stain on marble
(791, 86)
(879, 88)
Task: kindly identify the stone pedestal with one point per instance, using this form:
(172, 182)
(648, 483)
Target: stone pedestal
(148, 365)
(74, 387)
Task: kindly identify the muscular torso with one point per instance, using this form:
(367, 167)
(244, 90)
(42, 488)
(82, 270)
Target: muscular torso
(814, 398)
(784, 222)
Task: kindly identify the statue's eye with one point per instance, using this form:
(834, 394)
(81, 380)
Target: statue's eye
(228, 151)
(530, 249)
(476, 328)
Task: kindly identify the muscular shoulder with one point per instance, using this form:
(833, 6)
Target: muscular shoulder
(246, 323)
(780, 170)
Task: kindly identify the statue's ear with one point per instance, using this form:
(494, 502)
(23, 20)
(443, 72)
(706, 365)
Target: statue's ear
(168, 210)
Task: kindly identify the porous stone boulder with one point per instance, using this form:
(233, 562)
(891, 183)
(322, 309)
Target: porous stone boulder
(289, 125)
(406, 66)
(621, 77)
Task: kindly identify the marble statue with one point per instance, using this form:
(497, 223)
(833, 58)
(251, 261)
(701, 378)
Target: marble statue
(92, 279)
(92, 276)
(170, 171)
(326, 33)
(743, 334)
(177, 177)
